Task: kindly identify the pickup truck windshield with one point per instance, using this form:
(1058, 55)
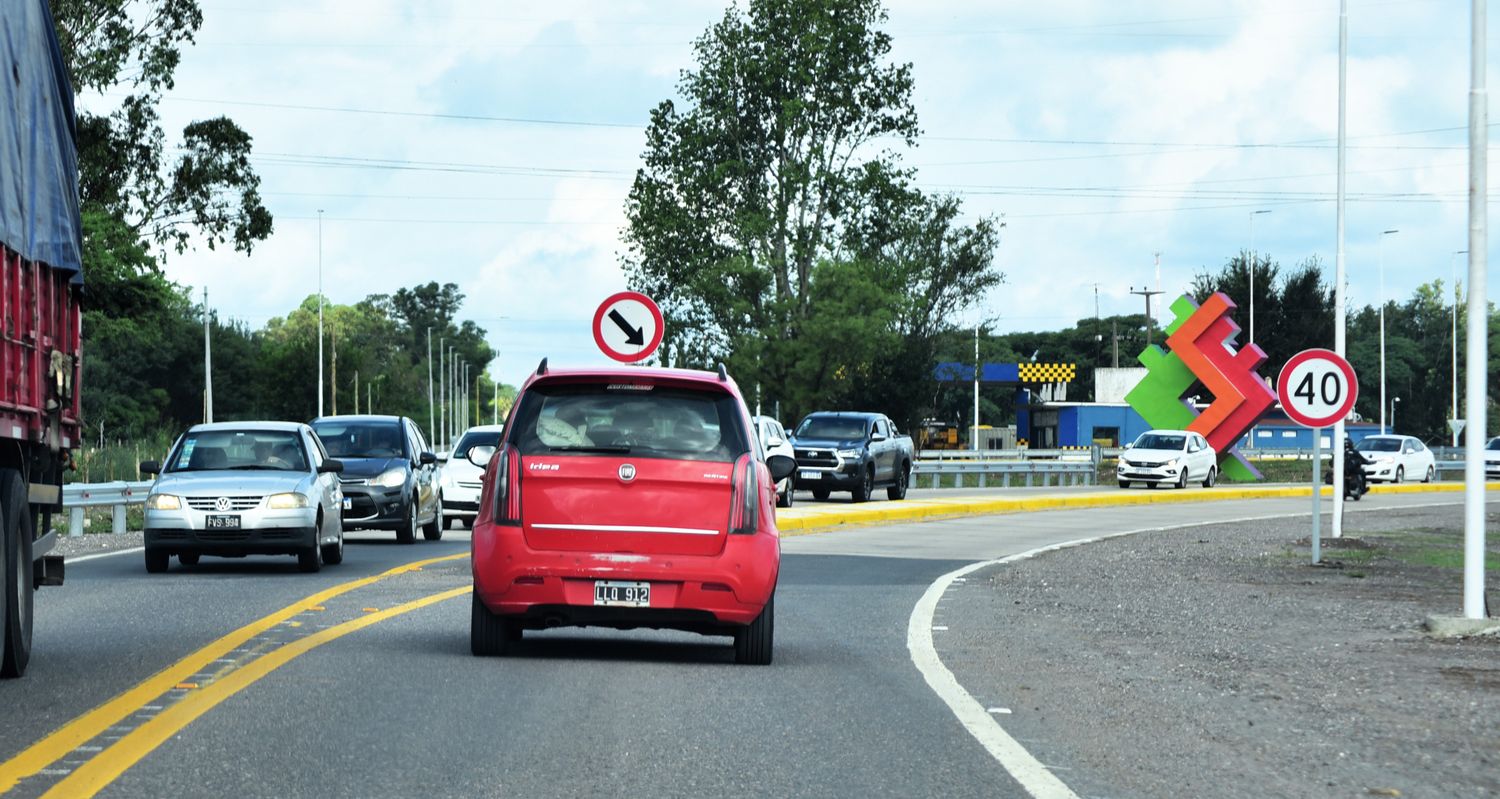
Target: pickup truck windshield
(833, 427)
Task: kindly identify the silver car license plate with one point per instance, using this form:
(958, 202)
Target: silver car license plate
(222, 521)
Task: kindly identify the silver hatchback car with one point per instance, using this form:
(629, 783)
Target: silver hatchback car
(245, 488)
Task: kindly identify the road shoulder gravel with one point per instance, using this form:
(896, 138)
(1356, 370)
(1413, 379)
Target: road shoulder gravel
(1216, 661)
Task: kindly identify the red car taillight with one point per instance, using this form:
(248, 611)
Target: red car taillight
(744, 500)
(508, 486)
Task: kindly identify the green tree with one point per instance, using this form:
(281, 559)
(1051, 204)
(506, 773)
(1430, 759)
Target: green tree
(208, 188)
(768, 189)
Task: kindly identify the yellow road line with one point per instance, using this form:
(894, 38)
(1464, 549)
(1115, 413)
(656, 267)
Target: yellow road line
(105, 767)
(80, 730)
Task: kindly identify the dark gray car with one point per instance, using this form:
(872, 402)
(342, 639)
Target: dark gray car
(390, 478)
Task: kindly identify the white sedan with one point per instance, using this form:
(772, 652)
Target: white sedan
(1492, 459)
(774, 440)
(460, 479)
(1173, 457)
(1395, 459)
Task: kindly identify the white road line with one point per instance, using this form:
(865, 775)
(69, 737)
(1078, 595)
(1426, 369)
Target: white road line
(1036, 778)
(98, 555)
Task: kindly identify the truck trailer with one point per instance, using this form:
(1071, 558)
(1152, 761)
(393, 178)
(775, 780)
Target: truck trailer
(41, 270)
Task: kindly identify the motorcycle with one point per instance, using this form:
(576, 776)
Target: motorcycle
(1356, 484)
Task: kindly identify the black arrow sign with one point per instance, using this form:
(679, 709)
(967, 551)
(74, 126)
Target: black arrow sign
(634, 336)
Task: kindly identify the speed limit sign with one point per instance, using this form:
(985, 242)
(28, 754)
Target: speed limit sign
(1317, 388)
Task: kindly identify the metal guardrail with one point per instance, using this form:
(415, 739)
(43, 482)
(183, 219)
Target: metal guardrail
(1065, 472)
(118, 495)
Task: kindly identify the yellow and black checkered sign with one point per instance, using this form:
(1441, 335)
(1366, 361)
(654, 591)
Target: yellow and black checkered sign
(1047, 372)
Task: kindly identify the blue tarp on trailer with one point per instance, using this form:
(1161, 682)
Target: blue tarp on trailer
(38, 150)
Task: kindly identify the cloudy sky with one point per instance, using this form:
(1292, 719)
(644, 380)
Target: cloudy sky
(491, 144)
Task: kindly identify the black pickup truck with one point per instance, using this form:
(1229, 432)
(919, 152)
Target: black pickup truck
(854, 452)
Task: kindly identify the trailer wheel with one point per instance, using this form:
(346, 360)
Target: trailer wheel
(15, 528)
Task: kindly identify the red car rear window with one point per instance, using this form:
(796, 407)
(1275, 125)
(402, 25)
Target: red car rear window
(655, 421)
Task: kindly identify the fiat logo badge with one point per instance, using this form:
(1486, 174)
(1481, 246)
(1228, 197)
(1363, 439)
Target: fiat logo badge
(222, 503)
(627, 472)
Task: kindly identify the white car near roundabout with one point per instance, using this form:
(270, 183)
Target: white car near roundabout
(1168, 457)
(461, 480)
(1397, 459)
(775, 441)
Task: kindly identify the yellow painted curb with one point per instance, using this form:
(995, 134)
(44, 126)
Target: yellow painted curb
(800, 520)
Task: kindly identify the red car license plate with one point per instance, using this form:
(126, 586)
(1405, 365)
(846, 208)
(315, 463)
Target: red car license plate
(614, 593)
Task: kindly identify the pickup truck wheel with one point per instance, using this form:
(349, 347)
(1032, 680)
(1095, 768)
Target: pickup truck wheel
(15, 535)
(898, 491)
(866, 487)
(820, 494)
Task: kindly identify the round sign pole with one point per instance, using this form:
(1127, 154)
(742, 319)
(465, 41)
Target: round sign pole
(1317, 388)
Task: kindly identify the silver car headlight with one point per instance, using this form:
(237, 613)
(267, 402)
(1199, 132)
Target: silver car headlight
(391, 478)
(164, 502)
(287, 501)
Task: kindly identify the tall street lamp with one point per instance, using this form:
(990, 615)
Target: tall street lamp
(320, 312)
(1253, 214)
(1381, 248)
(1453, 278)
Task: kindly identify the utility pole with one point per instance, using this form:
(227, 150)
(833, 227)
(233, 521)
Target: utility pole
(1337, 530)
(431, 427)
(320, 312)
(1114, 337)
(1253, 259)
(974, 440)
(333, 371)
(356, 392)
(1148, 294)
(495, 404)
(1381, 261)
(442, 428)
(1453, 277)
(1476, 354)
(208, 366)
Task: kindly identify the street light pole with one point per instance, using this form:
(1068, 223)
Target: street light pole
(1337, 527)
(440, 434)
(431, 413)
(320, 312)
(1394, 400)
(1253, 214)
(1381, 249)
(1453, 278)
(1476, 350)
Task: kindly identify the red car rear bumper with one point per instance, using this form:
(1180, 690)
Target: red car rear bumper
(730, 588)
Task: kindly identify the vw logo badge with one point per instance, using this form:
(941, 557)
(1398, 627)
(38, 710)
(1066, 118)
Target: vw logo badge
(222, 503)
(627, 472)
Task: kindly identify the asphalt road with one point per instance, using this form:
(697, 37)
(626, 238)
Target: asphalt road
(384, 699)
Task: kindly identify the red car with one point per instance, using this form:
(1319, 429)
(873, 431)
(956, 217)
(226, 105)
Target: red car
(627, 497)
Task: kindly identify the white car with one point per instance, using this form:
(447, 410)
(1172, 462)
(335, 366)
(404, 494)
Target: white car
(1173, 457)
(1397, 459)
(774, 440)
(1492, 459)
(461, 480)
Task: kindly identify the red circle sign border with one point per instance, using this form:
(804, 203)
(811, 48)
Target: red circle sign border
(1317, 354)
(650, 347)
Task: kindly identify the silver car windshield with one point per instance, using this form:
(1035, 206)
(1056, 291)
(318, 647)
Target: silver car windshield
(224, 450)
